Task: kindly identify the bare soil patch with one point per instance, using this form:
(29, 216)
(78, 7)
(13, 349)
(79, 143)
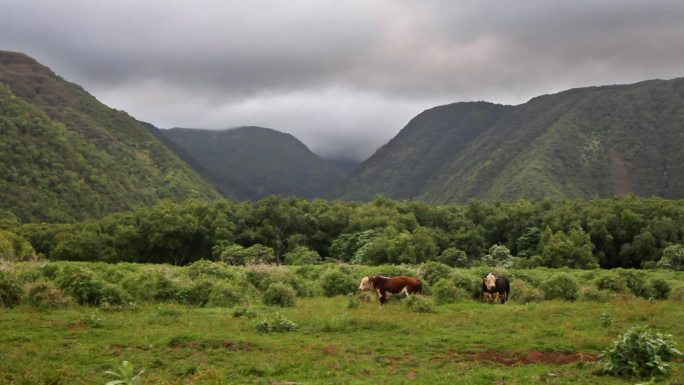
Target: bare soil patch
(532, 357)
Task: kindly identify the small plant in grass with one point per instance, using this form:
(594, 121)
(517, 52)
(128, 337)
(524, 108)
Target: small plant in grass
(606, 319)
(352, 301)
(279, 325)
(125, 375)
(420, 304)
(93, 320)
(641, 352)
(244, 312)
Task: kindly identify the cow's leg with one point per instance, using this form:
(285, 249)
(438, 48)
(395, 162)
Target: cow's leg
(406, 292)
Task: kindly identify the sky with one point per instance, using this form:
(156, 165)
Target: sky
(343, 76)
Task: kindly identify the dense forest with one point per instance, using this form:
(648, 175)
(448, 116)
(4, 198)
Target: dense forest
(627, 232)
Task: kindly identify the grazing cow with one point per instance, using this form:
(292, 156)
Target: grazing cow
(495, 288)
(391, 285)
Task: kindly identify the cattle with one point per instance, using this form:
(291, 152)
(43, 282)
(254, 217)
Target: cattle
(384, 286)
(495, 288)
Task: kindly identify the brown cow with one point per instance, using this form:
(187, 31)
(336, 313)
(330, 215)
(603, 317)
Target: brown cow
(392, 285)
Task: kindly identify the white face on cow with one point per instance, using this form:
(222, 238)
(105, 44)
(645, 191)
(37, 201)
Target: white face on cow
(490, 281)
(366, 284)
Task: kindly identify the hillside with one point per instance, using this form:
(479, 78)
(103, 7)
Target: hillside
(252, 162)
(582, 143)
(65, 156)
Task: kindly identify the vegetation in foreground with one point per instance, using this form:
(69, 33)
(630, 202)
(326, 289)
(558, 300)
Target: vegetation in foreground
(212, 323)
(462, 343)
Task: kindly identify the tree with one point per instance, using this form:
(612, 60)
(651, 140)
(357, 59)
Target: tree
(673, 258)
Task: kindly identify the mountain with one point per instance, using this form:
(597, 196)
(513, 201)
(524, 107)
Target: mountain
(582, 143)
(252, 162)
(65, 156)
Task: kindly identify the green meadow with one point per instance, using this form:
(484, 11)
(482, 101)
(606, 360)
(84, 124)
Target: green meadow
(336, 339)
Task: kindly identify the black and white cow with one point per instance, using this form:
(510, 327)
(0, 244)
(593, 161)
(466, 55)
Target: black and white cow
(495, 288)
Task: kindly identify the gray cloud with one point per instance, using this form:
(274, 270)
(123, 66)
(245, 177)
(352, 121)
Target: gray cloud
(343, 76)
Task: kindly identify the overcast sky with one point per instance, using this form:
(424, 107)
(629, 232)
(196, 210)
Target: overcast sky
(343, 76)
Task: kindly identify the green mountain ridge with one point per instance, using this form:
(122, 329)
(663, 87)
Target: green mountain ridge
(252, 162)
(65, 156)
(581, 143)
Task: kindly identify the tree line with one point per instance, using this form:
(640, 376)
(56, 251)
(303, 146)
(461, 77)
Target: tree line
(628, 232)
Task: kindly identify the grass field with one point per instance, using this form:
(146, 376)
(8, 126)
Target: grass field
(468, 342)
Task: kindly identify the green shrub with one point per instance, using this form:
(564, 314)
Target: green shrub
(561, 286)
(93, 320)
(352, 301)
(224, 294)
(673, 258)
(471, 284)
(659, 288)
(45, 294)
(82, 284)
(434, 271)
(197, 292)
(636, 282)
(420, 304)
(125, 375)
(302, 256)
(244, 312)
(593, 294)
(280, 294)
(10, 290)
(208, 269)
(523, 292)
(279, 325)
(606, 319)
(335, 282)
(641, 352)
(611, 281)
(445, 291)
(50, 270)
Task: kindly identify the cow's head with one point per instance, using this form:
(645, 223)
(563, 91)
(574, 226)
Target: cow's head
(490, 281)
(366, 283)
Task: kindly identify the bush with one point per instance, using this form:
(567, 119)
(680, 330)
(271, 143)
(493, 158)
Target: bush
(471, 284)
(445, 291)
(335, 282)
(45, 294)
(659, 288)
(224, 294)
(10, 290)
(561, 286)
(420, 304)
(207, 269)
(82, 284)
(593, 294)
(280, 294)
(673, 258)
(197, 293)
(636, 282)
(677, 293)
(611, 281)
(641, 352)
(352, 301)
(279, 325)
(434, 271)
(301, 256)
(525, 292)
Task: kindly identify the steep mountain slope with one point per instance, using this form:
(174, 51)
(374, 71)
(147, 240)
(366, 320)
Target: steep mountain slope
(252, 162)
(65, 156)
(582, 143)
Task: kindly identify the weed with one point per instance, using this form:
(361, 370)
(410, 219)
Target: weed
(641, 352)
(124, 375)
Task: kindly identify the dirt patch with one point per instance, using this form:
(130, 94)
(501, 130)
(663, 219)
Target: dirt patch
(234, 345)
(533, 357)
(619, 174)
(77, 326)
(329, 349)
